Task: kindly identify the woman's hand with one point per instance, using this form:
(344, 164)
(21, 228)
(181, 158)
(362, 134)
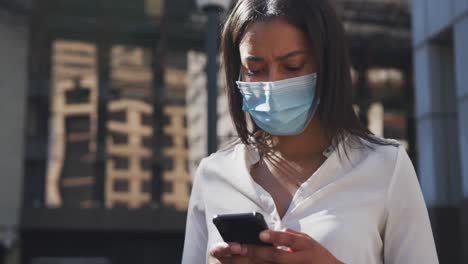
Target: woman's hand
(301, 248)
(230, 253)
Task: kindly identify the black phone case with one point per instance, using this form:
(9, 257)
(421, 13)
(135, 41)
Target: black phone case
(241, 228)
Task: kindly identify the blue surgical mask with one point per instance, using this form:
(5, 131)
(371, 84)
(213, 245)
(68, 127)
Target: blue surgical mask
(282, 107)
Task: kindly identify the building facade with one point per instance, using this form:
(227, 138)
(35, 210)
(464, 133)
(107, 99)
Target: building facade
(440, 41)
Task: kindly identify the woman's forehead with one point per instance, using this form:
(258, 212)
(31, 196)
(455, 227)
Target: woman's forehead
(272, 38)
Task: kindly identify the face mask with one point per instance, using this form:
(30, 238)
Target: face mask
(282, 107)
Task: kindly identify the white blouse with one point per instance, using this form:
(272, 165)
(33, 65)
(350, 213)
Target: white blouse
(364, 208)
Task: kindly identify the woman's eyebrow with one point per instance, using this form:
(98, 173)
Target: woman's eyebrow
(279, 58)
(290, 54)
(254, 58)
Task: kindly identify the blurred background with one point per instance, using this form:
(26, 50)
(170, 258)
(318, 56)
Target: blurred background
(107, 107)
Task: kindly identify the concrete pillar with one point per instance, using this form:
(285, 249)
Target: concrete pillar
(460, 7)
(461, 64)
(13, 82)
(437, 127)
(440, 38)
(438, 146)
(439, 15)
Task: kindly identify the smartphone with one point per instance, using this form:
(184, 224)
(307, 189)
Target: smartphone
(241, 228)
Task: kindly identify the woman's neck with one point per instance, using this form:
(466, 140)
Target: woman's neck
(309, 144)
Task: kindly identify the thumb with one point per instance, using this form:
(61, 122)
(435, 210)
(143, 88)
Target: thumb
(292, 231)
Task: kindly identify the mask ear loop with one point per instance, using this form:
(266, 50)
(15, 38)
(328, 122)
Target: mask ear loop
(249, 120)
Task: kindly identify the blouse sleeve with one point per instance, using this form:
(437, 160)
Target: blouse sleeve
(408, 235)
(196, 234)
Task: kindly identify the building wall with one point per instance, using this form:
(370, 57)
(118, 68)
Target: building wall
(13, 76)
(440, 41)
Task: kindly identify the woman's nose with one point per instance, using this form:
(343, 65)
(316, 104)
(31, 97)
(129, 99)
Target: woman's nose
(274, 75)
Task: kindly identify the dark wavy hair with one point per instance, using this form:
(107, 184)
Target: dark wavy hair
(318, 19)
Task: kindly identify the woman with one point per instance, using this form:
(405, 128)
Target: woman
(330, 191)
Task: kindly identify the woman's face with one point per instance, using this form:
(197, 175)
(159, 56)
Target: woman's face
(275, 50)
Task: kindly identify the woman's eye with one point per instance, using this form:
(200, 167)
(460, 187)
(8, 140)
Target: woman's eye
(253, 72)
(294, 69)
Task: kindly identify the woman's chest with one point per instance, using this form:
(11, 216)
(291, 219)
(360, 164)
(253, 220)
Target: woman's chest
(282, 181)
(348, 223)
(353, 235)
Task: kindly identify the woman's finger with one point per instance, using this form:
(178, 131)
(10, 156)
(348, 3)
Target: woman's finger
(294, 241)
(222, 249)
(289, 230)
(268, 254)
